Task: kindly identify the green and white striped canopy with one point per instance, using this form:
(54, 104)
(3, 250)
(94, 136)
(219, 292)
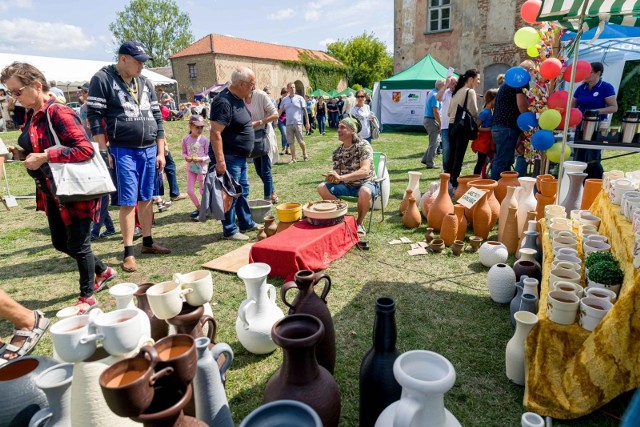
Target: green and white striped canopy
(567, 12)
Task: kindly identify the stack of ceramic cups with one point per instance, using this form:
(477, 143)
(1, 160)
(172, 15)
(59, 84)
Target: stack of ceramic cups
(630, 202)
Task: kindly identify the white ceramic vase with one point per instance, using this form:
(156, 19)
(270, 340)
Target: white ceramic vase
(570, 167)
(509, 201)
(515, 352)
(502, 283)
(526, 200)
(414, 184)
(425, 377)
(382, 172)
(258, 313)
(531, 419)
(530, 286)
(491, 253)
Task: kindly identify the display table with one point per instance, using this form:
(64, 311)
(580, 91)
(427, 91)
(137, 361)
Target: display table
(571, 372)
(305, 247)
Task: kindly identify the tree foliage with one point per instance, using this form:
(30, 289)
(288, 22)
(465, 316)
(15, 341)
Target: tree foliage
(366, 58)
(157, 24)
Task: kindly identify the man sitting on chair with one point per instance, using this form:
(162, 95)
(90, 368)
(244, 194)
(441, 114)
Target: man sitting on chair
(352, 173)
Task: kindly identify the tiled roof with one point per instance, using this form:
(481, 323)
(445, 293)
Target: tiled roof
(248, 48)
(165, 71)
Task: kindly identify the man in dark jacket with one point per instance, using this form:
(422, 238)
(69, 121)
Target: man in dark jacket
(127, 102)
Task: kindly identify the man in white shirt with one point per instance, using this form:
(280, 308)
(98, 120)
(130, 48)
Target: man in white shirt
(444, 97)
(296, 108)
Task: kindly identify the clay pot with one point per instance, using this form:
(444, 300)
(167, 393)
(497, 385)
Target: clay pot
(159, 328)
(261, 233)
(474, 243)
(510, 233)
(457, 247)
(494, 205)
(429, 235)
(482, 217)
(492, 253)
(301, 378)
(191, 320)
(502, 283)
(462, 221)
(411, 217)
(507, 179)
(405, 200)
(429, 197)
(542, 177)
(463, 185)
(547, 187)
(527, 268)
(442, 205)
(270, 226)
(437, 246)
(510, 200)
(590, 191)
(166, 410)
(543, 201)
(449, 230)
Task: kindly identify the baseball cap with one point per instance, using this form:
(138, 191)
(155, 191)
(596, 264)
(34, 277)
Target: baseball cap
(135, 50)
(85, 87)
(196, 120)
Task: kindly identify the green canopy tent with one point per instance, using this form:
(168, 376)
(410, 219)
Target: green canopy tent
(347, 92)
(368, 91)
(333, 93)
(320, 92)
(403, 96)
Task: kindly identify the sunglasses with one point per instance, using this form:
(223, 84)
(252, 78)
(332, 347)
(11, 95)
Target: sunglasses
(360, 96)
(16, 92)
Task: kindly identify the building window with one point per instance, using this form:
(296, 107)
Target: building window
(439, 15)
(192, 71)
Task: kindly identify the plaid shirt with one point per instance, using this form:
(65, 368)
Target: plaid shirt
(76, 148)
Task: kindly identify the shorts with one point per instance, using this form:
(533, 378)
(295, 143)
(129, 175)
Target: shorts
(340, 190)
(136, 172)
(295, 130)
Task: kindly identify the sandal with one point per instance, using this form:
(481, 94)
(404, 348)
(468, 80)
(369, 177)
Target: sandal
(90, 301)
(31, 338)
(274, 198)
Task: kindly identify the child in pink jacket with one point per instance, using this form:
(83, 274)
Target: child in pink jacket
(194, 151)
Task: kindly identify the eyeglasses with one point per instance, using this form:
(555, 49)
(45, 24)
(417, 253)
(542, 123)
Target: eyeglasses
(16, 92)
(360, 96)
(251, 84)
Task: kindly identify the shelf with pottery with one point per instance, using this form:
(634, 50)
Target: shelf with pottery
(570, 371)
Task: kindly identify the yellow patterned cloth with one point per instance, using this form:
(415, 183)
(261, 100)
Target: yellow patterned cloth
(570, 372)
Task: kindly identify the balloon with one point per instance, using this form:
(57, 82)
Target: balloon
(553, 153)
(530, 10)
(582, 71)
(533, 51)
(526, 37)
(558, 101)
(542, 140)
(527, 121)
(550, 119)
(550, 68)
(517, 77)
(575, 117)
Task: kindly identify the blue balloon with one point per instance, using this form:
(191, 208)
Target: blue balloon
(517, 77)
(542, 140)
(527, 121)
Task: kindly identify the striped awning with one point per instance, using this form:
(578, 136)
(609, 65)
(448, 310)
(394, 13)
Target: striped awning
(567, 12)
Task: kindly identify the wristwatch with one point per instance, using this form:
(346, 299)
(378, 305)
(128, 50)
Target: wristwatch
(260, 122)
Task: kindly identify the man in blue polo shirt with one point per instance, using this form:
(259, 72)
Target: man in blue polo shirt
(594, 94)
(432, 124)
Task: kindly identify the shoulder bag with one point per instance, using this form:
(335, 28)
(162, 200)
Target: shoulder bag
(260, 144)
(77, 181)
(375, 126)
(464, 121)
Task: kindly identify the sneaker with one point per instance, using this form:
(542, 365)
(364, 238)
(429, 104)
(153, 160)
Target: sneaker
(108, 233)
(306, 158)
(180, 196)
(93, 237)
(194, 215)
(361, 231)
(101, 280)
(137, 233)
(237, 236)
(86, 303)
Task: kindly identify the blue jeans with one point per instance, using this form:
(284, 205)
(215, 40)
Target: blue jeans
(506, 139)
(283, 135)
(237, 167)
(321, 123)
(446, 147)
(521, 165)
(172, 178)
(263, 168)
(105, 218)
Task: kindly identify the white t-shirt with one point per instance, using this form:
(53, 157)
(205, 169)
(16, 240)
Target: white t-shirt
(295, 106)
(363, 114)
(444, 111)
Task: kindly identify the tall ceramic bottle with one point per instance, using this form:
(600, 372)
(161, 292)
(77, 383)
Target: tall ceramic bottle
(526, 200)
(55, 382)
(510, 231)
(301, 377)
(508, 200)
(574, 196)
(442, 205)
(462, 221)
(259, 311)
(210, 397)
(429, 197)
(514, 353)
(378, 386)
(482, 216)
(570, 167)
(308, 302)
(514, 306)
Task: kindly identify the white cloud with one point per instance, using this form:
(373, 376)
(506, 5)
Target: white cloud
(282, 14)
(324, 43)
(312, 15)
(21, 33)
(6, 5)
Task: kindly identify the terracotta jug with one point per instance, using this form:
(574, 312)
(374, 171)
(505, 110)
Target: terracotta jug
(486, 184)
(442, 205)
(261, 233)
(270, 226)
(449, 230)
(301, 378)
(590, 191)
(482, 216)
(463, 185)
(429, 197)
(510, 200)
(308, 302)
(540, 178)
(462, 221)
(408, 194)
(507, 179)
(411, 217)
(510, 232)
(543, 201)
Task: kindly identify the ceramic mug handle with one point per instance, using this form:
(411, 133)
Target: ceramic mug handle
(217, 350)
(405, 412)
(213, 327)
(242, 313)
(178, 278)
(40, 418)
(283, 293)
(150, 353)
(272, 293)
(327, 284)
(92, 337)
(161, 373)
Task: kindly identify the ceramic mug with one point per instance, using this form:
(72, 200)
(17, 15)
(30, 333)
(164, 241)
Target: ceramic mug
(562, 307)
(604, 293)
(632, 205)
(565, 275)
(166, 298)
(570, 287)
(564, 242)
(566, 251)
(178, 352)
(119, 330)
(200, 282)
(595, 238)
(595, 246)
(67, 336)
(559, 263)
(568, 258)
(585, 228)
(554, 211)
(592, 310)
(589, 218)
(566, 233)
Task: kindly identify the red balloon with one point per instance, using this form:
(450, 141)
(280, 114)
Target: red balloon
(558, 101)
(530, 10)
(575, 117)
(550, 68)
(582, 71)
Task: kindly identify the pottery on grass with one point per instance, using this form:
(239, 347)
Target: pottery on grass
(510, 233)
(489, 185)
(474, 243)
(283, 413)
(502, 281)
(411, 217)
(462, 221)
(482, 222)
(449, 230)
(509, 200)
(442, 205)
(507, 179)
(210, 397)
(463, 185)
(457, 248)
(492, 253)
(55, 382)
(515, 353)
(436, 245)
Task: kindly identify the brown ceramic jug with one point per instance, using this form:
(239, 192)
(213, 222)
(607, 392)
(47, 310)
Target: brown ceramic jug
(191, 320)
(487, 184)
(301, 378)
(462, 221)
(262, 234)
(510, 235)
(590, 191)
(308, 302)
(270, 226)
(449, 230)
(159, 328)
(482, 216)
(167, 407)
(463, 185)
(405, 200)
(507, 179)
(442, 205)
(411, 217)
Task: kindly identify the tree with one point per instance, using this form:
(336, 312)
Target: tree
(157, 24)
(366, 58)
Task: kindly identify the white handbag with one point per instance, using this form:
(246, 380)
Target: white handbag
(86, 180)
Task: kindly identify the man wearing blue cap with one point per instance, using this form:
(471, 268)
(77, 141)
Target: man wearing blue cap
(127, 102)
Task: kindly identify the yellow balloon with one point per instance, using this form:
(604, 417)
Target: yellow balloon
(526, 37)
(533, 51)
(553, 153)
(550, 119)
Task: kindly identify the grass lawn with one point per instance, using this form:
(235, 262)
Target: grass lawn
(443, 302)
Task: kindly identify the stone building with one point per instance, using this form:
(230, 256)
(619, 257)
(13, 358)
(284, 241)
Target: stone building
(461, 34)
(212, 59)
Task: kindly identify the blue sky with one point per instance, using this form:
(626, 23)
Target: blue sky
(80, 29)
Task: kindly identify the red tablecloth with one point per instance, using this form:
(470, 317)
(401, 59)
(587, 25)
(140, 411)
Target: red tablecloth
(305, 247)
